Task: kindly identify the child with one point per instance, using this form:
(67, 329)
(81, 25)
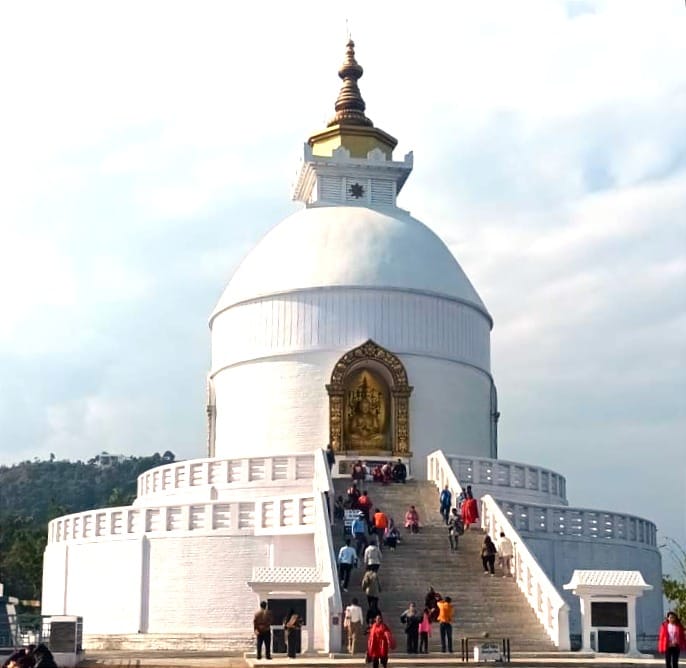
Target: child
(425, 631)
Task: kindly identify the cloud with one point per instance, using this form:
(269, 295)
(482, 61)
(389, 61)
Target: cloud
(148, 147)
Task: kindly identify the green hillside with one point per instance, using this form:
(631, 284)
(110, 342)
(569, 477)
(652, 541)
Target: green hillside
(33, 493)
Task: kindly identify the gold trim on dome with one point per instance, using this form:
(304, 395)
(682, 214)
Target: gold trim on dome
(359, 404)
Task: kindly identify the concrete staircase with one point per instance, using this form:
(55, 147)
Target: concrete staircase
(482, 603)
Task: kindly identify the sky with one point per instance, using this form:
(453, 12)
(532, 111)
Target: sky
(146, 147)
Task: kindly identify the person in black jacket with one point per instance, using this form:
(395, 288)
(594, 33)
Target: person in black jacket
(44, 657)
(488, 552)
(411, 618)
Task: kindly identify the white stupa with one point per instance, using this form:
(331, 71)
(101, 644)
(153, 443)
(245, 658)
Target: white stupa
(351, 268)
(349, 323)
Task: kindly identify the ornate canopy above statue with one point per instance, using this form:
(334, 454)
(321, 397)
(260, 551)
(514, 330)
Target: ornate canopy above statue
(369, 402)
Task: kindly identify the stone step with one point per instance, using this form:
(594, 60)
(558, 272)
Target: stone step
(482, 603)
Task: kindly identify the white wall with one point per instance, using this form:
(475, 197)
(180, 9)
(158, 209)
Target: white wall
(272, 358)
(80, 577)
(54, 579)
(200, 584)
(165, 584)
(338, 319)
(450, 409)
(281, 405)
(560, 556)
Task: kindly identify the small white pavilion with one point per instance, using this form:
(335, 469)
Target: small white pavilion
(608, 609)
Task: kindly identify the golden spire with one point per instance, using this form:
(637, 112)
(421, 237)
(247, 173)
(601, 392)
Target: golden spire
(350, 128)
(350, 106)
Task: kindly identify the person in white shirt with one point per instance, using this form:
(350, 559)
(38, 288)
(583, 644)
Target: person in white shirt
(353, 625)
(372, 557)
(347, 559)
(505, 553)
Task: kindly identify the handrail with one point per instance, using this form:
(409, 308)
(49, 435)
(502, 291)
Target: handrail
(439, 471)
(330, 599)
(543, 597)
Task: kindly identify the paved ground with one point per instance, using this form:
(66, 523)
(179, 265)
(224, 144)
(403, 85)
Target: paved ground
(195, 660)
(209, 660)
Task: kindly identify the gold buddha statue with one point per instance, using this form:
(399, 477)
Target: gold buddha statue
(365, 425)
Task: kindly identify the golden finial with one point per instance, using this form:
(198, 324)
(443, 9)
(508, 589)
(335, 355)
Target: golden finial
(349, 105)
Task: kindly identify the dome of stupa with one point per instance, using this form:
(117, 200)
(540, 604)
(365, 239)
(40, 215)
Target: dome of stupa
(353, 247)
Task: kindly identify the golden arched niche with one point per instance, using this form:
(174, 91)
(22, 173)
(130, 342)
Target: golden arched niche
(369, 402)
(366, 411)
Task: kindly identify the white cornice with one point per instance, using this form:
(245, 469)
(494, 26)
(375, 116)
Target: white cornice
(340, 164)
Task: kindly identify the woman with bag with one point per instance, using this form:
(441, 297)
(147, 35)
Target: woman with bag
(671, 639)
(291, 627)
(488, 552)
(379, 643)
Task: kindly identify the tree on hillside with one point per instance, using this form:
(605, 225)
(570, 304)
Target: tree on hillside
(34, 492)
(21, 556)
(674, 588)
(119, 497)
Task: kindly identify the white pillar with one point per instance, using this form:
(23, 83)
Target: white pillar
(585, 603)
(309, 613)
(631, 618)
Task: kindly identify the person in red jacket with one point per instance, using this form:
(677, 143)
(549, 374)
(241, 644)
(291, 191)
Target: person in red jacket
(379, 643)
(671, 639)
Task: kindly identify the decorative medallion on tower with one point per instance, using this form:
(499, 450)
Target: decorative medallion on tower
(369, 402)
(356, 190)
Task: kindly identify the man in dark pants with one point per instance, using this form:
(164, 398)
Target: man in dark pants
(359, 532)
(445, 499)
(262, 623)
(445, 623)
(347, 559)
(400, 472)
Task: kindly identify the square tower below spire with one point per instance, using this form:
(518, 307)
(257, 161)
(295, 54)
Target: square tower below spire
(345, 179)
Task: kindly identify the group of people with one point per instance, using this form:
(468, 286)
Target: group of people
(459, 518)
(418, 624)
(379, 637)
(382, 531)
(33, 656)
(384, 473)
(262, 625)
(503, 550)
(377, 524)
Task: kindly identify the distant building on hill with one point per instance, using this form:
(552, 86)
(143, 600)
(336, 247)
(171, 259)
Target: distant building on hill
(106, 459)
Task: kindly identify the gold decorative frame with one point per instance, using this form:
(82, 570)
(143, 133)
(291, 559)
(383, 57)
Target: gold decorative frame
(400, 390)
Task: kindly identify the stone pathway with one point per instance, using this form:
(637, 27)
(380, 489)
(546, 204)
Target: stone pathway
(196, 660)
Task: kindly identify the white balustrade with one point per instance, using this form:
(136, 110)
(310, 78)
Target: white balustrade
(582, 522)
(270, 515)
(543, 597)
(191, 474)
(485, 474)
